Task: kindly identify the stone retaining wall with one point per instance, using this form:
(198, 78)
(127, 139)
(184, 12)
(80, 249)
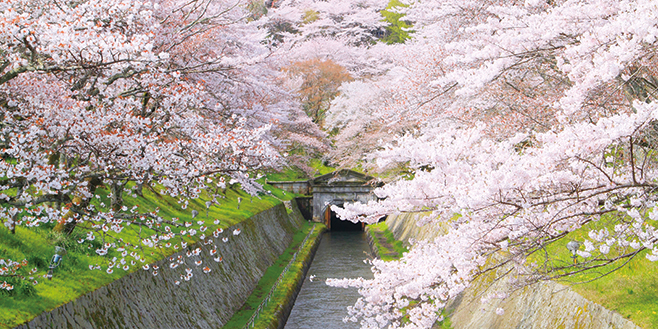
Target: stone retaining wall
(546, 305)
(140, 300)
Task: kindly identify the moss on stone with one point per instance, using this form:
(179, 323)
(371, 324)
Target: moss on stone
(277, 310)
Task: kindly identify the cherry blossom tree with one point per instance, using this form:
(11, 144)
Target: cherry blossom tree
(320, 82)
(313, 38)
(531, 120)
(355, 23)
(345, 32)
(369, 112)
(251, 82)
(176, 96)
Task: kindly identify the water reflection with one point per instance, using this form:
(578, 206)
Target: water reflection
(339, 255)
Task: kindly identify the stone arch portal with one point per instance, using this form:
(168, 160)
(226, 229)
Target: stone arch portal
(336, 188)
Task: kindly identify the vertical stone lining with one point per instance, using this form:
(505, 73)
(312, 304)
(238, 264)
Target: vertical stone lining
(140, 300)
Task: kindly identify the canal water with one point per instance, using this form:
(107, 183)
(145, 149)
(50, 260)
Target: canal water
(339, 255)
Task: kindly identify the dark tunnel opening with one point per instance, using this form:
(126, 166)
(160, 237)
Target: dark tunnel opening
(336, 224)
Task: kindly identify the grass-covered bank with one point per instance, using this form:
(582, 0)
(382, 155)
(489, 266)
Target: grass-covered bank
(631, 291)
(281, 300)
(383, 243)
(74, 278)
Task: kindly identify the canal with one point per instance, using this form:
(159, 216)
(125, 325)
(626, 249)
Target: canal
(340, 255)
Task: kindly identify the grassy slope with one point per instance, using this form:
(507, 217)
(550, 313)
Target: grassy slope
(320, 168)
(287, 174)
(73, 278)
(631, 290)
(388, 248)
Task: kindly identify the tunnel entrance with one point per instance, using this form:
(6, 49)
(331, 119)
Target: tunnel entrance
(336, 224)
(336, 188)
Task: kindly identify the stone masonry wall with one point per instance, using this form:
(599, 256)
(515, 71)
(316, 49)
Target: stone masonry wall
(545, 305)
(140, 300)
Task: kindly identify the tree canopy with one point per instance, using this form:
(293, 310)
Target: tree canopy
(520, 122)
(517, 122)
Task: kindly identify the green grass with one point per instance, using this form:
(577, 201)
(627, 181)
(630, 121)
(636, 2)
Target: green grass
(296, 174)
(268, 315)
(631, 290)
(320, 167)
(287, 174)
(73, 277)
(445, 324)
(387, 246)
(284, 292)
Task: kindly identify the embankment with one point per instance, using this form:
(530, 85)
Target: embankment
(544, 305)
(276, 312)
(141, 300)
(270, 303)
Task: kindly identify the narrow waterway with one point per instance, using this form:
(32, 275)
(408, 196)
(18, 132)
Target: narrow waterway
(340, 255)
